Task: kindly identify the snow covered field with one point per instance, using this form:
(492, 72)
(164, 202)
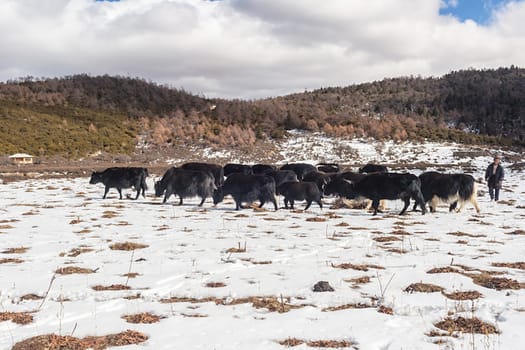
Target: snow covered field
(190, 268)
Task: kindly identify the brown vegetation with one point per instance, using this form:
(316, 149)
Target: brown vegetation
(464, 295)
(69, 270)
(11, 260)
(363, 267)
(336, 344)
(348, 306)
(423, 288)
(127, 246)
(271, 303)
(215, 285)
(18, 250)
(516, 265)
(466, 325)
(144, 317)
(76, 252)
(16, 317)
(445, 269)
(57, 342)
(382, 239)
(498, 283)
(111, 287)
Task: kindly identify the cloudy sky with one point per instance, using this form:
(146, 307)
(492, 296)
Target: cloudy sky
(258, 48)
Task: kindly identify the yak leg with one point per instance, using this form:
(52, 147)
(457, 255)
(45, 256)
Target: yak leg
(167, 194)
(143, 185)
(407, 203)
(272, 199)
(202, 201)
(320, 204)
(238, 203)
(119, 192)
(420, 201)
(285, 203)
(433, 204)
(308, 204)
(475, 203)
(180, 201)
(106, 190)
(375, 205)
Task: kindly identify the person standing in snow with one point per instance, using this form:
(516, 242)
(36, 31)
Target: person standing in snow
(494, 177)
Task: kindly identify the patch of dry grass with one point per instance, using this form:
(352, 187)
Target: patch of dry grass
(215, 284)
(516, 265)
(193, 315)
(397, 250)
(271, 303)
(262, 262)
(31, 297)
(291, 342)
(359, 280)
(131, 274)
(332, 215)
(57, 342)
(4, 221)
(445, 269)
(342, 224)
(362, 267)
(76, 252)
(498, 283)
(69, 270)
(109, 214)
(334, 344)
(385, 310)
(99, 287)
(466, 325)
(11, 260)
(239, 249)
(383, 239)
(423, 288)
(347, 306)
(316, 219)
(144, 317)
(18, 250)
(16, 317)
(188, 300)
(464, 295)
(127, 246)
(83, 231)
(464, 234)
(400, 233)
(516, 232)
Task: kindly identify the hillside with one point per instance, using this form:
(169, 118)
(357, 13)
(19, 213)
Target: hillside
(79, 115)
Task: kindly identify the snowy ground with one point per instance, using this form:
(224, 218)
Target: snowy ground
(65, 223)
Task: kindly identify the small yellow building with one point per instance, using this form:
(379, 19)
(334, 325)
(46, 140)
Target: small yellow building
(21, 158)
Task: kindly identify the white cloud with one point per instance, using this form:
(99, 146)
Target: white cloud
(249, 48)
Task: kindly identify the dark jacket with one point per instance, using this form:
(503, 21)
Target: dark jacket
(494, 179)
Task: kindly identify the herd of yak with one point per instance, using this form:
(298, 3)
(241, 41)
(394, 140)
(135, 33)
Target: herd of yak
(296, 182)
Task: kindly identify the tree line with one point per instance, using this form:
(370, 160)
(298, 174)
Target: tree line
(468, 106)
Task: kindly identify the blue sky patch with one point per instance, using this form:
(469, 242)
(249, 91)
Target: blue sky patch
(479, 11)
